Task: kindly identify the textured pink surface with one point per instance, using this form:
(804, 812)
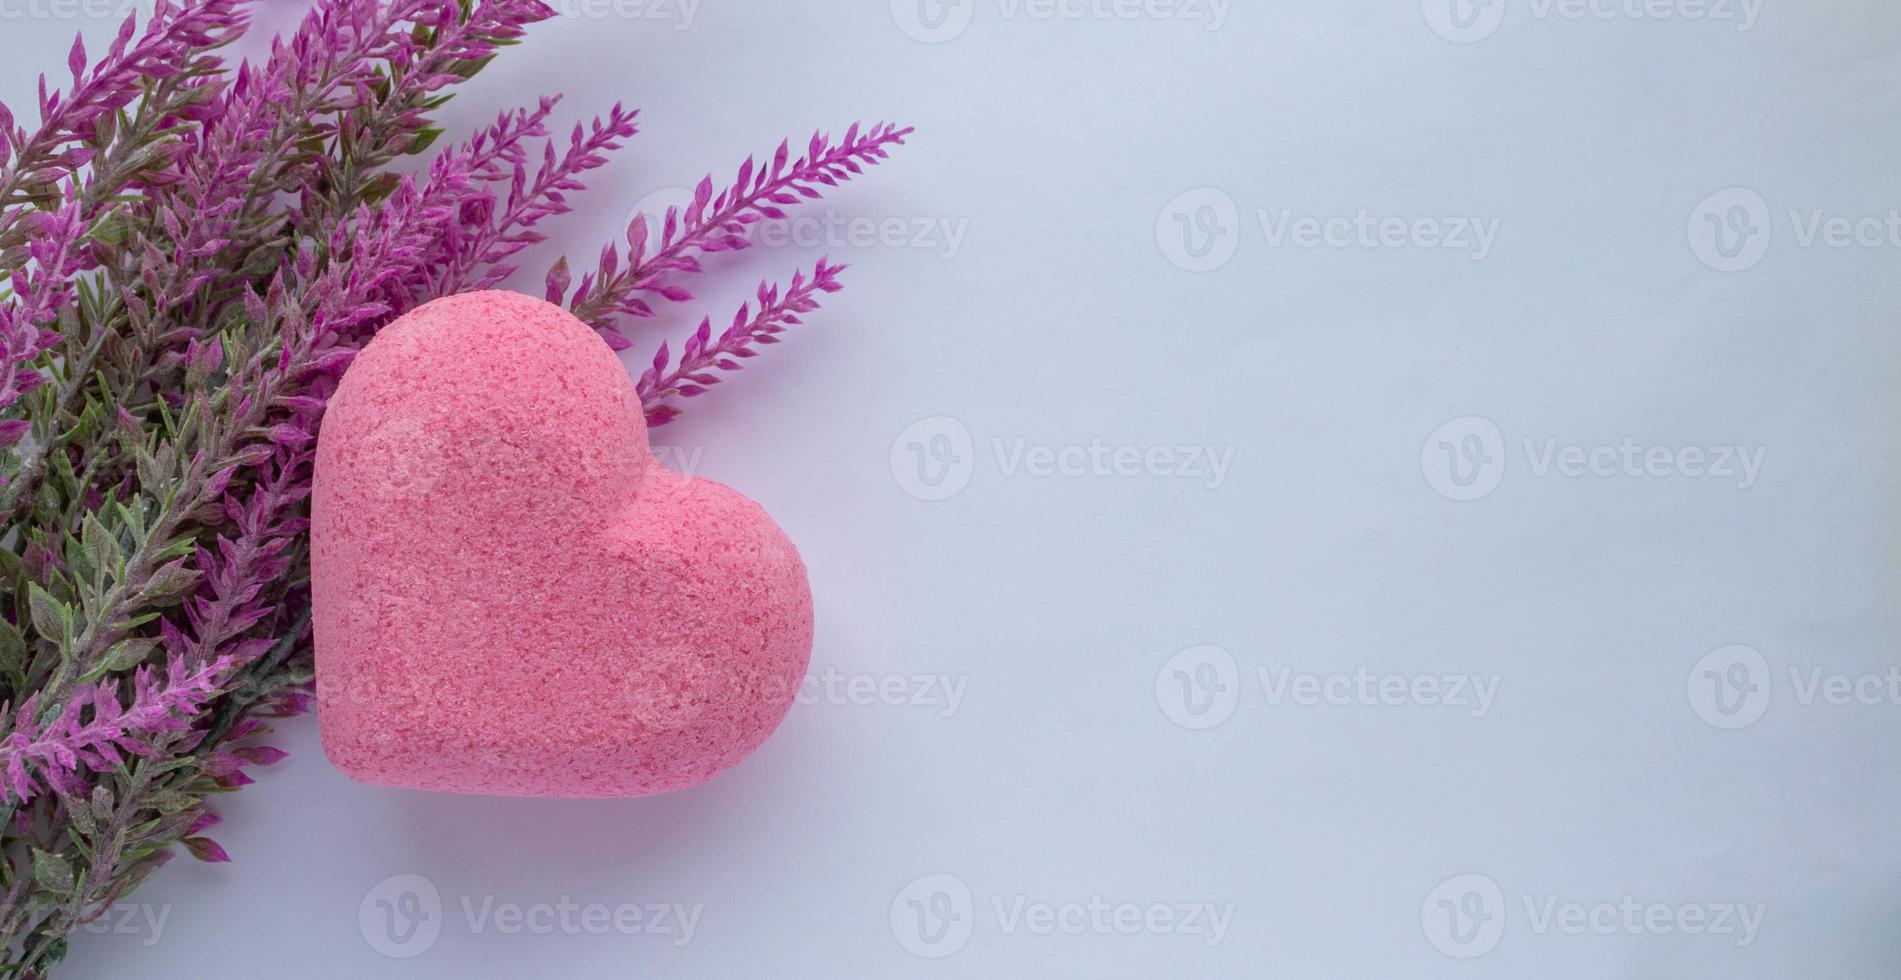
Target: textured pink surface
(512, 596)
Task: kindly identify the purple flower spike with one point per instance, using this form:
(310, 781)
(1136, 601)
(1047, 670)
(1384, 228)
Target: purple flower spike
(95, 732)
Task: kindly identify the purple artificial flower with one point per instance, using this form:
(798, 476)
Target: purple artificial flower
(57, 749)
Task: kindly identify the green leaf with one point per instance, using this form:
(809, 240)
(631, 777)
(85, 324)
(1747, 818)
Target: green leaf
(171, 801)
(101, 546)
(141, 870)
(262, 261)
(170, 580)
(13, 656)
(137, 621)
(380, 186)
(52, 619)
(124, 655)
(52, 872)
(114, 229)
(176, 548)
(424, 138)
(63, 467)
(81, 815)
(150, 476)
(468, 68)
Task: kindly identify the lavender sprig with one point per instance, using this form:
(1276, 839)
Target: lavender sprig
(496, 236)
(43, 287)
(171, 45)
(89, 145)
(715, 223)
(54, 749)
(255, 151)
(703, 355)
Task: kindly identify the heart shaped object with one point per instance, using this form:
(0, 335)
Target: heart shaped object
(512, 596)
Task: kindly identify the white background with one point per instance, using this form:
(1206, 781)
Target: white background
(1327, 835)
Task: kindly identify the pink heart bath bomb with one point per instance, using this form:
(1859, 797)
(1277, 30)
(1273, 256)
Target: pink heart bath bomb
(512, 596)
